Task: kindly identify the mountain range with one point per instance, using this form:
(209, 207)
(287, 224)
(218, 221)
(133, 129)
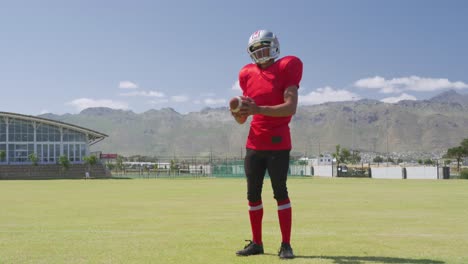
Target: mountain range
(366, 125)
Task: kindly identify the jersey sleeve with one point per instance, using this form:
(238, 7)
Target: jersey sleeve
(243, 75)
(292, 72)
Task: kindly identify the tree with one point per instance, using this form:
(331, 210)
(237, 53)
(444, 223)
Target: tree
(337, 154)
(2, 155)
(174, 166)
(110, 166)
(456, 153)
(345, 155)
(428, 162)
(119, 163)
(464, 145)
(355, 157)
(90, 161)
(342, 155)
(64, 162)
(378, 159)
(33, 158)
(464, 174)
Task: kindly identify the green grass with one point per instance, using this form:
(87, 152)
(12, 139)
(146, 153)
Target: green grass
(349, 221)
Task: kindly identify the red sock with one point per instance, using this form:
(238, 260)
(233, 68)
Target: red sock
(256, 215)
(285, 219)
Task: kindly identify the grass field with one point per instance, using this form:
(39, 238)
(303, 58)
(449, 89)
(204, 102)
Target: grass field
(348, 221)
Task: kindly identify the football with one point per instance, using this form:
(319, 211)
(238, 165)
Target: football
(235, 104)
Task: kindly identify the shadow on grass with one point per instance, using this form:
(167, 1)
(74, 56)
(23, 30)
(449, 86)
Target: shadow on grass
(371, 259)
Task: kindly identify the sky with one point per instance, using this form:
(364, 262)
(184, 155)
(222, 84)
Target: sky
(65, 56)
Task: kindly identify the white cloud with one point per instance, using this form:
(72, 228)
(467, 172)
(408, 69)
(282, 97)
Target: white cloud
(214, 101)
(236, 86)
(144, 94)
(44, 111)
(159, 101)
(127, 85)
(83, 103)
(412, 83)
(393, 100)
(376, 82)
(326, 94)
(179, 98)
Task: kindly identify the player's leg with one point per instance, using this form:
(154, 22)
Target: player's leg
(278, 166)
(255, 168)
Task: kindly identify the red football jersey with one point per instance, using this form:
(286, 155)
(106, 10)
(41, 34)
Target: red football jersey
(266, 87)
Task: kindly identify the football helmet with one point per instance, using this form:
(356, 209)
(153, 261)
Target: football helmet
(263, 46)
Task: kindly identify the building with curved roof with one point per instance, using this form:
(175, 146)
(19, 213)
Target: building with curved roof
(23, 135)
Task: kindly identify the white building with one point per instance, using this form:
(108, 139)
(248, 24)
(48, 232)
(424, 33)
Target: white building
(23, 135)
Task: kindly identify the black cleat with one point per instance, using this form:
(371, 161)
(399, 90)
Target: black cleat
(286, 251)
(250, 249)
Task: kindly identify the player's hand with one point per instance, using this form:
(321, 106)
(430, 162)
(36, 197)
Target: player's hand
(239, 117)
(238, 114)
(249, 107)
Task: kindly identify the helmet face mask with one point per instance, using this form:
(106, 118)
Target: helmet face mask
(263, 46)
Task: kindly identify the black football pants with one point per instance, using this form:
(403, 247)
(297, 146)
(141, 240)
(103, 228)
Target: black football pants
(256, 163)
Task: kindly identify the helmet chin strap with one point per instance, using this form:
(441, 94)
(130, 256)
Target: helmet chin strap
(263, 60)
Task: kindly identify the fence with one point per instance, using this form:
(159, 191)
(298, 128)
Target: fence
(178, 167)
(51, 171)
(228, 167)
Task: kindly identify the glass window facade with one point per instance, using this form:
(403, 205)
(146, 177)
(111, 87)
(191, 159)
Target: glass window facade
(3, 149)
(48, 153)
(20, 130)
(2, 130)
(19, 153)
(74, 152)
(20, 138)
(45, 133)
(73, 136)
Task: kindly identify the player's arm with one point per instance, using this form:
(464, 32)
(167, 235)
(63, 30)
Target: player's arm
(287, 108)
(241, 116)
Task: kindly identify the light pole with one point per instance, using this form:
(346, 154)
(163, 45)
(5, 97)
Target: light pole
(386, 131)
(319, 147)
(352, 129)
